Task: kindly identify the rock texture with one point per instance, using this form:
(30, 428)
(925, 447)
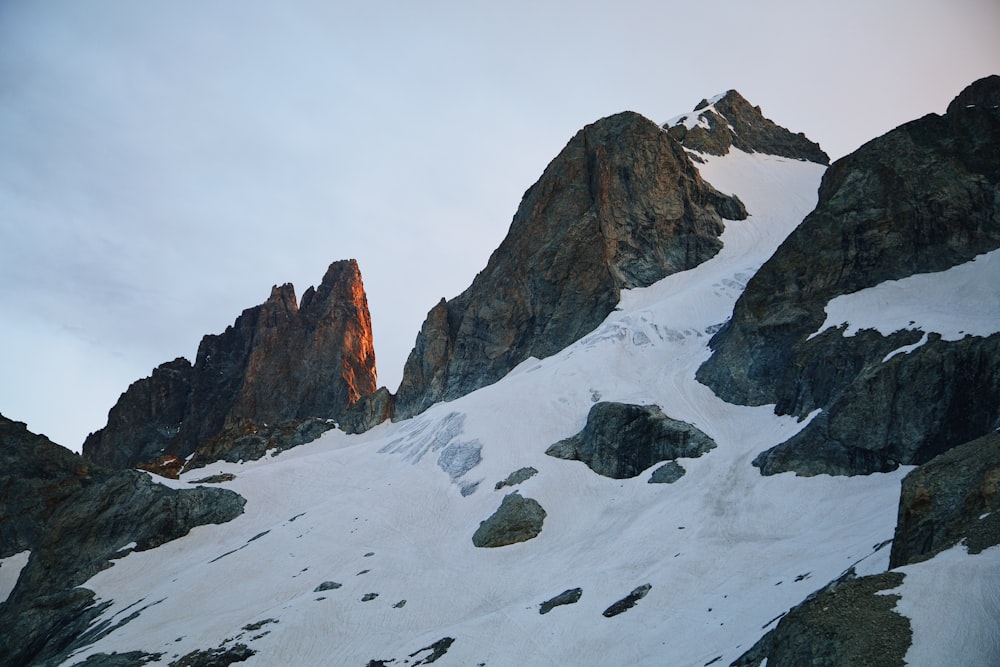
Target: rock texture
(731, 121)
(622, 440)
(517, 519)
(280, 362)
(848, 622)
(919, 199)
(75, 518)
(621, 206)
(953, 498)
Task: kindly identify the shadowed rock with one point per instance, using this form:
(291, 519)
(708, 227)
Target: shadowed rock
(621, 440)
(846, 623)
(75, 518)
(954, 497)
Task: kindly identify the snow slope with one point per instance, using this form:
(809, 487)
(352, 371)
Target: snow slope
(725, 550)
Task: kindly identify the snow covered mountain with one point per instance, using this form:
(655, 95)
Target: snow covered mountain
(463, 535)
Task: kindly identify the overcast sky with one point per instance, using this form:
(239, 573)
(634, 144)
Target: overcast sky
(162, 164)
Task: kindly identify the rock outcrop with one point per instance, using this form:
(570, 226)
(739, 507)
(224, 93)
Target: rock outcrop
(518, 519)
(622, 440)
(621, 206)
(849, 622)
(75, 518)
(920, 199)
(953, 498)
(730, 121)
(280, 363)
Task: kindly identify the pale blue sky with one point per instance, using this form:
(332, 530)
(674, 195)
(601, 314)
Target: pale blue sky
(162, 164)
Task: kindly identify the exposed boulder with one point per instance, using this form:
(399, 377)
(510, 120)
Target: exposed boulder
(516, 477)
(280, 363)
(571, 596)
(955, 497)
(849, 622)
(627, 602)
(621, 206)
(920, 199)
(517, 519)
(621, 440)
(76, 518)
(729, 120)
(668, 473)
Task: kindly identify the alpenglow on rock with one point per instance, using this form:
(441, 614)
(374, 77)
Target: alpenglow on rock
(279, 362)
(621, 206)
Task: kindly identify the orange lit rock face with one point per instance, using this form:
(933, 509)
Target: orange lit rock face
(279, 362)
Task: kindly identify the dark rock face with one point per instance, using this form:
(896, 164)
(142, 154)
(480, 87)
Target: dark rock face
(278, 363)
(955, 497)
(517, 519)
(621, 206)
(846, 623)
(621, 440)
(516, 477)
(919, 199)
(75, 518)
(732, 121)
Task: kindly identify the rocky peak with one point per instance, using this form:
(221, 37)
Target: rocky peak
(982, 93)
(729, 120)
(278, 362)
(621, 206)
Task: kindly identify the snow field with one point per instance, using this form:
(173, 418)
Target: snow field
(725, 550)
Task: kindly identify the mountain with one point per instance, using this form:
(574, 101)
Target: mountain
(590, 501)
(813, 330)
(279, 376)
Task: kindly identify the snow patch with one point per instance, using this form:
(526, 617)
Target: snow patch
(10, 570)
(953, 603)
(961, 301)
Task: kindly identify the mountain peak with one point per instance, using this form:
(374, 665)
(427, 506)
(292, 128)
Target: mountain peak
(728, 119)
(277, 367)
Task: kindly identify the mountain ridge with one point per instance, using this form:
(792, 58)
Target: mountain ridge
(364, 548)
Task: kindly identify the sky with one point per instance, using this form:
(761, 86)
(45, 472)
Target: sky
(163, 164)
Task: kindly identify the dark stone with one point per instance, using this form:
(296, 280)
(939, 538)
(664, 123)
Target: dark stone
(129, 659)
(327, 586)
(278, 363)
(982, 93)
(437, 650)
(621, 440)
(954, 497)
(621, 206)
(732, 121)
(516, 520)
(668, 473)
(76, 518)
(628, 601)
(920, 199)
(516, 477)
(215, 657)
(849, 622)
(216, 479)
(571, 596)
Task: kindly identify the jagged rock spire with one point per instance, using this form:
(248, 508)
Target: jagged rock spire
(279, 361)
